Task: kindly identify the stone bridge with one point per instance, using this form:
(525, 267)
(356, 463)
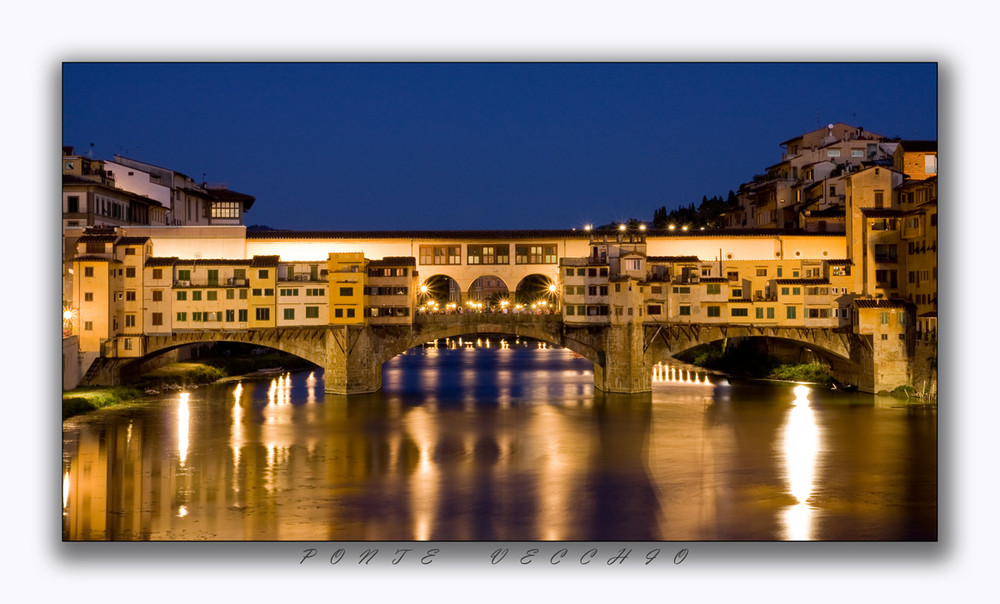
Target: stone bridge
(623, 354)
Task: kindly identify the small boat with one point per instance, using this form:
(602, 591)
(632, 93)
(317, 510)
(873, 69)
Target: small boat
(271, 371)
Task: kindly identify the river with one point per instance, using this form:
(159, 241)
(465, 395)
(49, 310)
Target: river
(502, 444)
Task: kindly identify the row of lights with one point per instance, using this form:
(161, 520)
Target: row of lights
(642, 227)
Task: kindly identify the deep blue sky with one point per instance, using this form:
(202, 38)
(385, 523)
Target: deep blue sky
(478, 145)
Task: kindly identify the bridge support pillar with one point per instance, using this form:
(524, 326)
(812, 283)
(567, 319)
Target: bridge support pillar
(625, 368)
(351, 366)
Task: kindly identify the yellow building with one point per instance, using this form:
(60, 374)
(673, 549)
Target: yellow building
(346, 274)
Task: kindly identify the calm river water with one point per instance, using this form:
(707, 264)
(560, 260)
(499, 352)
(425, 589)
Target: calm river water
(490, 444)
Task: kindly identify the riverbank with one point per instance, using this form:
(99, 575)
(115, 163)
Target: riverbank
(179, 375)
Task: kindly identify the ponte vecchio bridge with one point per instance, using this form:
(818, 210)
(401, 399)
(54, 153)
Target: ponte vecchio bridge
(349, 301)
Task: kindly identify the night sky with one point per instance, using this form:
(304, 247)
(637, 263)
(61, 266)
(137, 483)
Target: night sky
(355, 146)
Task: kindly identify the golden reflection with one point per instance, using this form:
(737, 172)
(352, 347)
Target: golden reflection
(182, 511)
(235, 437)
(423, 484)
(65, 488)
(183, 418)
(311, 387)
(800, 447)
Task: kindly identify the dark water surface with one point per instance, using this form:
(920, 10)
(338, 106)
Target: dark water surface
(510, 445)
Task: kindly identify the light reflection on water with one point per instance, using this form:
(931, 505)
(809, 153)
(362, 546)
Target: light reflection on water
(501, 444)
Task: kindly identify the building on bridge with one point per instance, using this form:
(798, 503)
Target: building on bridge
(127, 296)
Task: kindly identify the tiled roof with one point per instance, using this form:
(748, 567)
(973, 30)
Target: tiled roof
(879, 303)
(264, 261)
(159, 261)
(95, 258)
(394, 261)
(839, 261)
(919, 146)
(673, 259)
(97, 238)
(713, 280)
(802, 281)
(133, 240)
(213, 262)
(522, 234)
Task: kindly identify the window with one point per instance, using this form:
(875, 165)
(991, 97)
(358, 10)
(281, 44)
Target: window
(785, 291)
(88, 271)
(157, 273)
(211, 295)
(239, 273)
(879, 199)
(129, 320)
(257, 291)
(184, 275)
(288, 292)
(714, 311)
(226, 209)
(653, 309)
(570, 310)
(770, 312)
(289, 314)
(930, 164)
(88, 326)
(440, 254)
(758, 312)
(263, 314)
(733, 275)
(157, 295)
(73, 204)
(338, 313)
(127, 344)
(740, 312)
(762, 272)
(350, 313)
(901, 317)
(213, 276)
(684, 310)
(182, 295)
(157, 318)
(312, 312)
(196, 317)
(632, 264)
(262, 274)
(243, 294)
(88, 297)
(682, 290)
(789, 312)
(885, 252)
(196, 295)
(713, 288)
(736, 293)
(130, 295)
(347, 291)
(230, 315)
(230, 294)
(535, 254)
(779, 272)
(130, 272)
(796, 291)
(242, 314)
(315, 291)
(182, 317)
(268, 291)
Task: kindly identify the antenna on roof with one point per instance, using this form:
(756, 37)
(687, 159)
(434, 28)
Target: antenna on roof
(90, 153)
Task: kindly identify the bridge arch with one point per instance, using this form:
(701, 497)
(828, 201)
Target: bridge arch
(441, 289)
(536, 287)
(489, 290)
(545, 328)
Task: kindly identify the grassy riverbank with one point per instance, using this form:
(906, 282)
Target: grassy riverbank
(748, 361)
(82, 400)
